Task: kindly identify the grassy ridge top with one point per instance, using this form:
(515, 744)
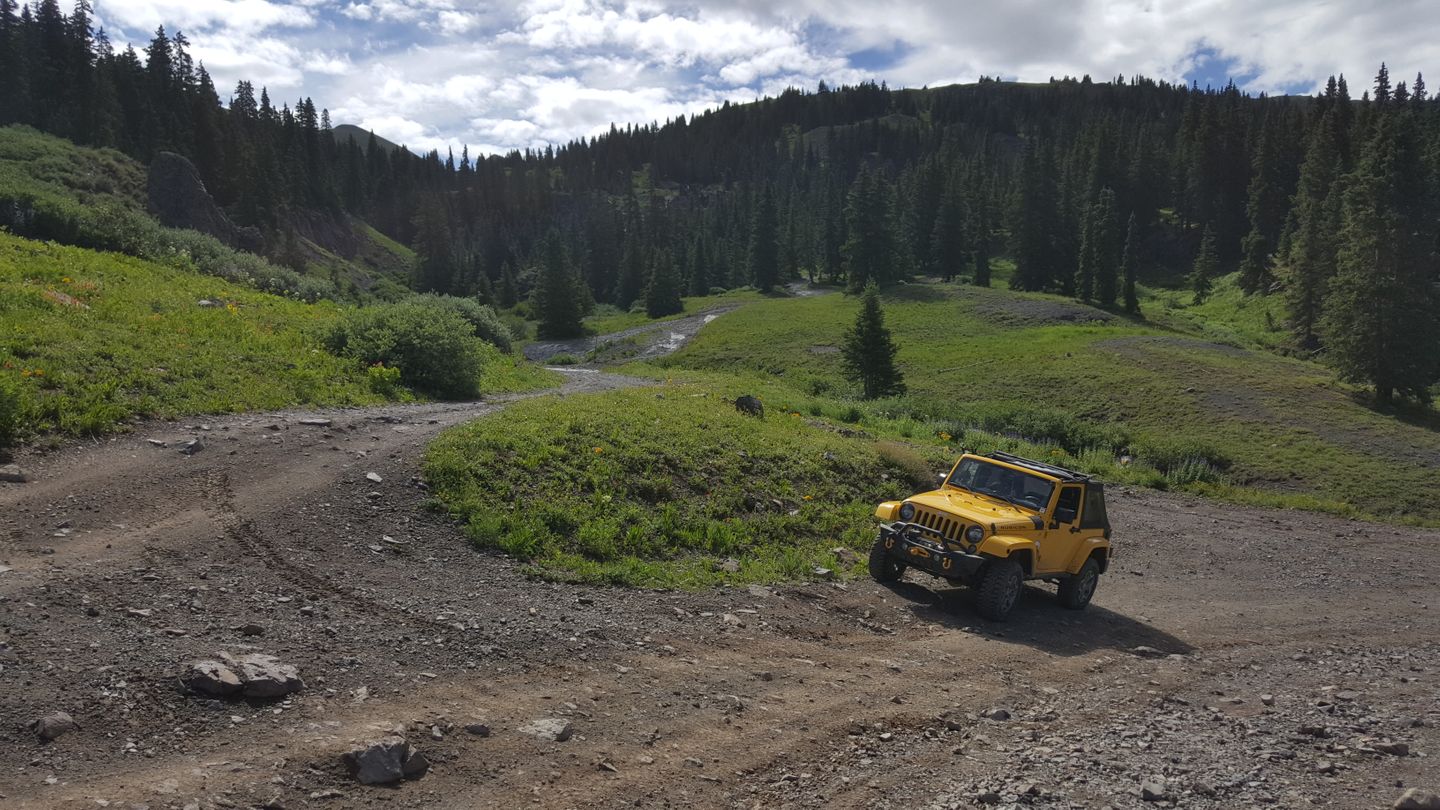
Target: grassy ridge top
(659, 487)
(1276, 429)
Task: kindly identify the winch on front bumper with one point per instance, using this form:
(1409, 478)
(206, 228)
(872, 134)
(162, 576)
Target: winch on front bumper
(924, 548)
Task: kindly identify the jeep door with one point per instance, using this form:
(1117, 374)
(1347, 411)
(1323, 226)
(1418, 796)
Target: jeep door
(1062, 532)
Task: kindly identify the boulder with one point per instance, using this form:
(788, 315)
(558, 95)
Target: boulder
(53, 726)
(1416, 799)
(554, 729)
(380, 762)
(12, 474)
(265, 676)
(212, 678)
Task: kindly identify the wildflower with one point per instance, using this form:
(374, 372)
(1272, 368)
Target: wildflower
(65, 280)
(599, 450)
(944, 437)
(808, 498)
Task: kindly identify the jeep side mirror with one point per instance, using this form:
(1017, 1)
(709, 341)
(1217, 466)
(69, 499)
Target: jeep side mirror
(1064, 515)
(1054, 524)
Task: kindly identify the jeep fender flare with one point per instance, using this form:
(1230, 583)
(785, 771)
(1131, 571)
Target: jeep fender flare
(1094, 547)
(1020, 549)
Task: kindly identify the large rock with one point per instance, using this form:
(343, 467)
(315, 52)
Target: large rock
(386, 760)
(553, 729)
(52, 726)
(1416, 799)
(212, 678)
(265, 676)
(255, 675)
(177, 197)
(12, 474)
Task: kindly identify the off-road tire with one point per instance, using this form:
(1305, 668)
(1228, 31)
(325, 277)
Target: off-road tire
(883, 567)
(999, 590)
(1076, 591)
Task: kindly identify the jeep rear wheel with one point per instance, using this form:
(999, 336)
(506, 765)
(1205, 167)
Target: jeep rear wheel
(1000, 587)
(1076, 591)
(883, 567)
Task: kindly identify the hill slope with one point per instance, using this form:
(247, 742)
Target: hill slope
(1097, 387)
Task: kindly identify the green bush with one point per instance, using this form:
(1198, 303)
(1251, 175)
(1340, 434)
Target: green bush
(9, 411)
(487, 325)
(1182, 461)
(435, 349)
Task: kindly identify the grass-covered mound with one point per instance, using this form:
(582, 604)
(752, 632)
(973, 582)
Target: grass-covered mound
(1242, 423)
(661, 486)
(90, 339)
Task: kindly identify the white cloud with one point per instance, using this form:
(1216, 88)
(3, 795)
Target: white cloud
(501, 75)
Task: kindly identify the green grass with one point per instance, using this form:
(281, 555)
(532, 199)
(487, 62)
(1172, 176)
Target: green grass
(609, 320)
(91, 339)
(1227, 316)
(658, 487)
(1240, 424)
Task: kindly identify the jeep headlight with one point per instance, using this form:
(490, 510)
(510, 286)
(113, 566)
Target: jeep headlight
(907, 512)
(975, 534)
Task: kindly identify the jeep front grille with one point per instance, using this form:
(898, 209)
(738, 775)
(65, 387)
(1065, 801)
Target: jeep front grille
(947, 527)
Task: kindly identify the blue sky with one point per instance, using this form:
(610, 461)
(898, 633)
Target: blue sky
(502, 75)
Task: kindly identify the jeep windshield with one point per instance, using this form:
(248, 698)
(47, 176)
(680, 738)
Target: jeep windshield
(996, 481)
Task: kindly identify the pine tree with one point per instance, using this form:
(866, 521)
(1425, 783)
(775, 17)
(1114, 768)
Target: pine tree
(764, 245)
(980, 217)
(556, 298)
(509, 286)
(1096, 274)
(1381, 323)
(947, 242)
(662, 294)
(1129, 264)
(1266, 205)
(1207, 266)
(1035, 222)
(869, 352)
(869, 249)
(1309, 262)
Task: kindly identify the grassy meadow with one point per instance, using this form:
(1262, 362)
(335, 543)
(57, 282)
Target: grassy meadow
(89, 340)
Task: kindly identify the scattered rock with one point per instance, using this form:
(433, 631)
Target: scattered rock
(384, 761)
(845, 556)
(760, 591)
(252, 629)
(12, 474)
(1153, 790)
(1394, 749)
(1147, 652)
(53, 726)
(730, 565)
(157, 442)
(997, 714)
(820, 572)
(732, 620)
(478, 729)
(554, 729)
(1268, 700)
(192, 447)
(374, 477)
(316, 422)
(1416, 799)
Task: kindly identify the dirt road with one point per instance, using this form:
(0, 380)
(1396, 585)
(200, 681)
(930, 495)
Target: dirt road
(645, 342)
(1233, 658)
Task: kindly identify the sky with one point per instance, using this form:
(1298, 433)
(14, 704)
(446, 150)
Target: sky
(496, 76)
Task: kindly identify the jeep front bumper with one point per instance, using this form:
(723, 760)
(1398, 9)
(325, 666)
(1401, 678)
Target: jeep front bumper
(921, 547)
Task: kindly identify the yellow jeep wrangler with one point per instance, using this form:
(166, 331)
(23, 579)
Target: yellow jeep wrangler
(996, 521)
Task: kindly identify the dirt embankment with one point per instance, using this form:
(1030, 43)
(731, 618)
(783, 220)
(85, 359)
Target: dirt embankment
(1233, 658)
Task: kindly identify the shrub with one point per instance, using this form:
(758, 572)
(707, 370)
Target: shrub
(435, 349)
(908, 463)
(562, 360)
(487, 325)
(9, 411)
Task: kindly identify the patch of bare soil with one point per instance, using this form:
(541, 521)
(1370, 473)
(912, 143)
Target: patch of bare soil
(1233, 658)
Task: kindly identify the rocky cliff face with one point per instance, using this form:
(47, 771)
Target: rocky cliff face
(177, 197)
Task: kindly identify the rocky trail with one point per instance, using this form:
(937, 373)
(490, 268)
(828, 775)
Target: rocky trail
(1233, 657)
(645, 342)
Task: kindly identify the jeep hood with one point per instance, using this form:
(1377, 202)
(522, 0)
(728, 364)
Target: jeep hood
(976, 508)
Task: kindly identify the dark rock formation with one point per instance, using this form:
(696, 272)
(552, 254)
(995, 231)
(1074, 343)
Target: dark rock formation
(177, 197)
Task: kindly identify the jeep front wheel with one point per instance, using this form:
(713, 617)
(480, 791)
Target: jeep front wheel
(1000, 587)
(1076, 591)
(883, 567)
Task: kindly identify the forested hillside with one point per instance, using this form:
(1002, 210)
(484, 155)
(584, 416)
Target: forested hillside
(1086, 187)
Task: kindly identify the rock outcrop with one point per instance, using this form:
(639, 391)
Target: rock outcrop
(177, 197)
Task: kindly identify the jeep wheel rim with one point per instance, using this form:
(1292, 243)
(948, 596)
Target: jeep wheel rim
(1012, 591)
(1087, 586)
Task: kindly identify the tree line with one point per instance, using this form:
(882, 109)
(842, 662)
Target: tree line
(1087, 187)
